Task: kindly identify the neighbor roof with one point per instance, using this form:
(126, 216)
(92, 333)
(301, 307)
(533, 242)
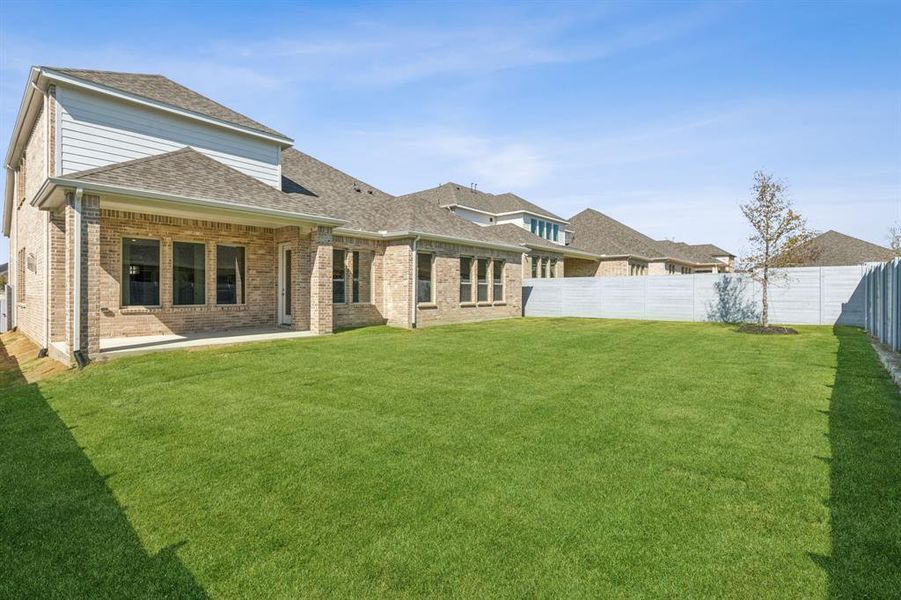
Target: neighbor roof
(162, 89)
(596, 232)
(832, 249)
(454, 194)
(686, 252)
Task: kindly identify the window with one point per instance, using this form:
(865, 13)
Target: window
(535, 263)
(552, 272)
(20, 275)
(188, 273)
(230, 275)
(534, 225)
(338, 274)
(482, 274)
(424, 277)
(556, 232)
(140, 272)
(497, 274)
(540, 228)
(362, 268)
(465, 279)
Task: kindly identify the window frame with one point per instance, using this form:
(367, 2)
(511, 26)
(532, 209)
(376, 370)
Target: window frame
(498, 283)
(470, 278)
(243, 275)
(479, 284)
(205, 245)
(431, 263)
(159, 283)
(342, 279)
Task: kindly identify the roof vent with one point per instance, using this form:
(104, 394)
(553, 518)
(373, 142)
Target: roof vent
(473, 186)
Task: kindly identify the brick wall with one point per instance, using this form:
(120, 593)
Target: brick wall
(259, 308)
(613, 268)
(578, 267)
(447, 307)
(372, 255)
(29, 237)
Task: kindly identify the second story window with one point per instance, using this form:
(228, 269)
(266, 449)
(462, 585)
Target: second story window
(556, 237)
(534, 226)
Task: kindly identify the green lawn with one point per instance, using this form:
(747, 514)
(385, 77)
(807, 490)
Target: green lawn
(536, 457)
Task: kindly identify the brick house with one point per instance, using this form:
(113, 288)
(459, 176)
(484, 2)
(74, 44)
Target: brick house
(136, 206)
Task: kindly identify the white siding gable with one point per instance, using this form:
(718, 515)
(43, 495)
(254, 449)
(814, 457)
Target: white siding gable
(96, 131)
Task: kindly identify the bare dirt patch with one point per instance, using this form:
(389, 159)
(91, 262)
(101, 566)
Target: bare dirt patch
(19, 359)
(769, 330)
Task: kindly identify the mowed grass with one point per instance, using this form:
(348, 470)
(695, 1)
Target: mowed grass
(523, 458)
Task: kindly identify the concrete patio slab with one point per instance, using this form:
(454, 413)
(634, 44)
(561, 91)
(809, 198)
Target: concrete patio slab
(124, 346)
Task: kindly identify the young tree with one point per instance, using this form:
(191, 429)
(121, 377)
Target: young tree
(779, 238)
(894, 239)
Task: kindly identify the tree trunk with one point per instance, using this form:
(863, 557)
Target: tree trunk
(765, 313)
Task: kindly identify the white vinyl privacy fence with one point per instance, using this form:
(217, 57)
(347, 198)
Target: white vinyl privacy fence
(882, 314)
(805, 295)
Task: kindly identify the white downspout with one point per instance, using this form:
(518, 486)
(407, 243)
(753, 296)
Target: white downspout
(76, 292)
(415, 282)
(47, 228)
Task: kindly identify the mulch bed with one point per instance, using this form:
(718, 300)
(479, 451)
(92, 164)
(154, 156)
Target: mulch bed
(769, 330)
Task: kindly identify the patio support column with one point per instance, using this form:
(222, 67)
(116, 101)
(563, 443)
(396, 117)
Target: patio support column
(321, 320)
(82, 256)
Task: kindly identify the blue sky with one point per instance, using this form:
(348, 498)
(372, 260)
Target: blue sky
(654, 113)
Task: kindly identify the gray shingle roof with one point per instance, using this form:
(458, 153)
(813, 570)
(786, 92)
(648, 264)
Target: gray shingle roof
(515, 234)
(685, 252)
(595, 232)
(833, 249)
(190, 174)
(164, 90)
(712, 250)
(455, 194)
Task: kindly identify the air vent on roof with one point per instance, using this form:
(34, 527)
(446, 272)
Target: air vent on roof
(473, 186)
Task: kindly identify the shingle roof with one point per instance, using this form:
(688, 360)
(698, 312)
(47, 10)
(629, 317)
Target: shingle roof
(833, 249)
(685, 252)
(190, 174)
(164, 90)
(712, 250)
(367, 208)
(455, 194)
(595, 232)
(515, 234)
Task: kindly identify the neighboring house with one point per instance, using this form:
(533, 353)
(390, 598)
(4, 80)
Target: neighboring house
(513, 219)
(834, 249)
(4, 275)
(136, 206)
(623, 251)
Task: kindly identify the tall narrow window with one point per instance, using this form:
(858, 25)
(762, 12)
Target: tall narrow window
(556, 232)
(230, 275)
(482, 274)
(423, 277)
(188, 273)
(465, 279)
(535, 226)
(540, 228)
(497, 276)
(536, 263)
(338, 274)
(140, 272)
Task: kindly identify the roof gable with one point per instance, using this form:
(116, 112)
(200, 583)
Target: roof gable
(450, 193)
(165, 91)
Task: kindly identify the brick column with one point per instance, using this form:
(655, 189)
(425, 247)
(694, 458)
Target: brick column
(89, 306)
(321, 317)
(57, 293)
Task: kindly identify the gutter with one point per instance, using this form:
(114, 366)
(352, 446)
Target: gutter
(403, 234)
(415, 283)
(52, 183)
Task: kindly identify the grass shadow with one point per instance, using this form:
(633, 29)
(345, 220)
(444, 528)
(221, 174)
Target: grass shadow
(865, 475)
(62, 532)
